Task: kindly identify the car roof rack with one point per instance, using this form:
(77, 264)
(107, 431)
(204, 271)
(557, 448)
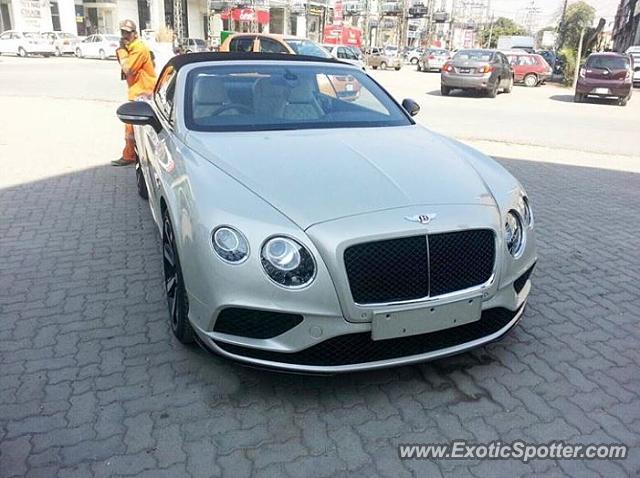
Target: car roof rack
(179, 61)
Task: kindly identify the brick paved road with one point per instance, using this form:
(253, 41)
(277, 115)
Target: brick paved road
(93, 384)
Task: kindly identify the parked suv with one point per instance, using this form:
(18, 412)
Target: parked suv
(530, 69)
(377, 58)
(634, 53)
(605, 75)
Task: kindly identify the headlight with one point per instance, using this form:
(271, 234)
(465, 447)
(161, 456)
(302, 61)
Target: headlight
(525, 211)
(287, 262)
(230, 245)
(514, 233)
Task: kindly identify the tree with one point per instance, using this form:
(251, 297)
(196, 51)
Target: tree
(501, 27)
(579, 15)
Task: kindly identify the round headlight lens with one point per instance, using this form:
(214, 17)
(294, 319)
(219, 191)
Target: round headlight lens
(230, 244)
(287, 262)
(525, 211)
(514, 233)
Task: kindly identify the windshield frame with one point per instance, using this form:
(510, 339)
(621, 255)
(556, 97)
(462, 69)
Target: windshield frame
(187, 88)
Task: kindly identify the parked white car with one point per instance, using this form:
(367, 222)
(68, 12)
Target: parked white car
(63, 43)
(413, 56)
(347, 54)
(98, 46)
(25, 43)
(634, 53)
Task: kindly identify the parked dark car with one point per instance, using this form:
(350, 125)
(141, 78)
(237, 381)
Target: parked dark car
(605, 75)
(479, 70)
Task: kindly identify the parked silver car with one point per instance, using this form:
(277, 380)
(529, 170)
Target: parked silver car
(25, 43)
(63, 43)
(194, 45)
(487, 71)
(433, 59)
(309, 233)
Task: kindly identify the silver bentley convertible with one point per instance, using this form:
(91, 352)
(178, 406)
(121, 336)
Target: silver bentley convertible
(309, 224)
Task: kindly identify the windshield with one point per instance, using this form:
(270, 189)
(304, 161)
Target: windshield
(608, 62)
(474, 55)
(307, 47)
(439, 52)
(32, 35)
(112, 38)
(249, 97)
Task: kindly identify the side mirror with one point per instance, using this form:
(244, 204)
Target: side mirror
(139, 113)
(411, 106)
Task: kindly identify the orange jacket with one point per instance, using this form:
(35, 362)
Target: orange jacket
(141, 76)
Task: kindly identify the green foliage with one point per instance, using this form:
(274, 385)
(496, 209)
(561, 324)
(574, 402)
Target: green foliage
(569, 56)
(579, 15)
(501, 27)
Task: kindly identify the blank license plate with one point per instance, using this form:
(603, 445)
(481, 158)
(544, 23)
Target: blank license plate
(390, 325)
(601, 91)
(465, 70)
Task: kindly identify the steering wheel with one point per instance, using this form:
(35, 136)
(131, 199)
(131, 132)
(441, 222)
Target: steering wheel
(231, 106)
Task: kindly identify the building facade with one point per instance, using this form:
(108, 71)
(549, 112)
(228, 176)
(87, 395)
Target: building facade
(626, 29)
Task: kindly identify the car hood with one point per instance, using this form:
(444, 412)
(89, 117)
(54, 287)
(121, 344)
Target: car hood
(313, 176)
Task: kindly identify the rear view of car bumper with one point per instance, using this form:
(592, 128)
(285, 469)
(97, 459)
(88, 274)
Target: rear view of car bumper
(603, 89)
(465, 82)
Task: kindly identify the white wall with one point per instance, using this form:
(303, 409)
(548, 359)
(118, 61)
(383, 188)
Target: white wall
(195, 11)
(157, 14)
(67, 12)
(127, 10)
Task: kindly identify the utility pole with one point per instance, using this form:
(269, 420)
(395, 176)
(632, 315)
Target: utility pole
(490, 31)
(561, 26)
(578, 58)
(178, 27)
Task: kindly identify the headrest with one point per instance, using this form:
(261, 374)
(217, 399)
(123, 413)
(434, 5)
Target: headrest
(209, 90)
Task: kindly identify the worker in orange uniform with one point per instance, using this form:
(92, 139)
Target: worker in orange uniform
(137, 66)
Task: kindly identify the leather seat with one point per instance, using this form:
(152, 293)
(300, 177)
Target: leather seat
(302, 103)
(209, 95)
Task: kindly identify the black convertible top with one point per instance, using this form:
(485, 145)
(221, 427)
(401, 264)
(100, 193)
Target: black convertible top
(187, 59)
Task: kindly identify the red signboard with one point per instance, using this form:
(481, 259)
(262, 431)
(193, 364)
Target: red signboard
(341, 35)
(246, 15)
(337, 12)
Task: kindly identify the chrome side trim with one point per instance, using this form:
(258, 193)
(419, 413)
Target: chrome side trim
(212, 346)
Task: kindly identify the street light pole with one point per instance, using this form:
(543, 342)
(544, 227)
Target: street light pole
(578, 58)
(562, 26)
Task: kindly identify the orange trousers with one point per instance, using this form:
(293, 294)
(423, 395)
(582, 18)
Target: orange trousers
(129, 151)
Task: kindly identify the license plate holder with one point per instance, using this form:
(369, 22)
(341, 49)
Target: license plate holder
(465, 70)
(389, 325)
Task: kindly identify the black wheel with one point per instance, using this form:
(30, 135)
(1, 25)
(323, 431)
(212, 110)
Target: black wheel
(492, 92)
(397, 68)
(578, 98)
(419, 66)
(102, 55)
(623, 101)
(174, 285)
(78, 52)
(383, 65)
(22, 52)
(142, 185)
(58, 52)
(445, 90)
(414, 61)
(374, 67)
(509, 88)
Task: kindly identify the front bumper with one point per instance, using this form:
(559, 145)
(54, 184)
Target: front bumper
(321, 344)
(465, 82)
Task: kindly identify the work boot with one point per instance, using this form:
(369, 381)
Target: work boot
(122, 162)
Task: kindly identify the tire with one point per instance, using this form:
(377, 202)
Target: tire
(445, 90)
(413, 61)
(419, 66)
(374, 67)
(22, 53)
(509, 88)
(142, 185)
(383, 65)
(102, 55)
(623, 101)
(530, 80)
(493, 91)
(58, 52)
(397, 68)
(174, 285)
(578, 98)
(78, 52)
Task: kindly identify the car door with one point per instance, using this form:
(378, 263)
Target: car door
(7, 44)
(85, 46)
(154, 153)
(504, 69)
